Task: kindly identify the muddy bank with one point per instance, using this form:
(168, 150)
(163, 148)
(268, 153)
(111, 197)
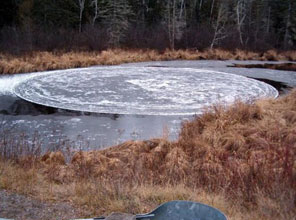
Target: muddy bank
(273, 66)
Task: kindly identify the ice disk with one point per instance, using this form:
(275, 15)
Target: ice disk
(140, 90)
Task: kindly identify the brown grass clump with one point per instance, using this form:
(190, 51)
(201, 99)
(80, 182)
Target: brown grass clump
(41, 61)
(273, 55)
(14, 178)
(241, 159)
(291, 55)
(246, 55)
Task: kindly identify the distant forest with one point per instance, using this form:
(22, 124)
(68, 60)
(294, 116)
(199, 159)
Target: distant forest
(259, 25)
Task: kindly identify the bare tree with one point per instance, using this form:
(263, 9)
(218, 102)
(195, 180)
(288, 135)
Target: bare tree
(219, 25)
(240, 18)
(175, 20)
(200, 4)
(94, 3)
(268, 20)
(171, 22)
(212, 9)
(81, 9)
(287, 37)
(181, 20)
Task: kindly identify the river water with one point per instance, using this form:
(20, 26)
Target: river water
(121, 115)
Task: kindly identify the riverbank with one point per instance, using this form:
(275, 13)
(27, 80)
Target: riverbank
(42, 61)
(240, 160)
(278, 66)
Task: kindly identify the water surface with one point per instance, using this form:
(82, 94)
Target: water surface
(94, 130)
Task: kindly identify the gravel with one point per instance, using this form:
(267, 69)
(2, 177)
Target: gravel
(14, 206)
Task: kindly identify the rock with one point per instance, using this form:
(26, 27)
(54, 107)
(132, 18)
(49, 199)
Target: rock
(22, 107)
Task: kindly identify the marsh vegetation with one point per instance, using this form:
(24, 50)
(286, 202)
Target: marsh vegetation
(240, 159)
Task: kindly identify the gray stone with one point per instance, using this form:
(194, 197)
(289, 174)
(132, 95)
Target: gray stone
(120, 216)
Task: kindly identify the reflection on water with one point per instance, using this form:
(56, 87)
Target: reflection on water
(281, 87)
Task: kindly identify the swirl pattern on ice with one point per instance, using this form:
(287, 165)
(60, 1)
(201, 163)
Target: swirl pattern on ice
(140, 90)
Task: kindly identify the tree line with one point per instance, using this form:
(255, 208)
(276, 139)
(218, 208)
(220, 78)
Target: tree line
(27, 25)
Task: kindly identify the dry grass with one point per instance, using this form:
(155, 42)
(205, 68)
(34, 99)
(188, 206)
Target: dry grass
(41, 61)
(240, 159)
(98, 197)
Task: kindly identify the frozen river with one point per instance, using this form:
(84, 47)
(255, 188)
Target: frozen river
(130, 101)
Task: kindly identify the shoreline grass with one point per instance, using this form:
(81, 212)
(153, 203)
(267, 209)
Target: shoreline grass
(240, 159)
(42, 61)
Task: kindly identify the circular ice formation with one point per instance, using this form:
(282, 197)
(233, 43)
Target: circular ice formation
(140, 90)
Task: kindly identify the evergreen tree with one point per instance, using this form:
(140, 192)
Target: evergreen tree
(56, 14)
(9, 13)
(245, 22)
(115, 14)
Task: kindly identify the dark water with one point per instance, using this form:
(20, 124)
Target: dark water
(54, 127)
(282, 88)
(80, 129)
